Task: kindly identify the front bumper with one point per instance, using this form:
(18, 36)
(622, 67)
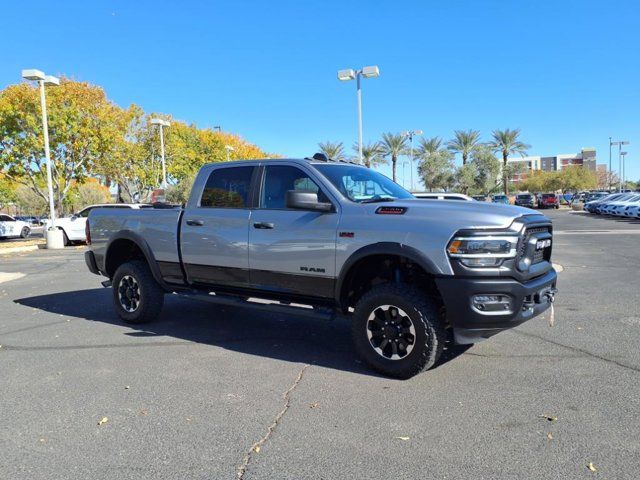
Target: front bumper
(470, 325)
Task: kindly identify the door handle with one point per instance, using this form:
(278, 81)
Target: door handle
(263, 225)
(195, 223)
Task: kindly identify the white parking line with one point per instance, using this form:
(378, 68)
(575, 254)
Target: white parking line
(7, 277)
(597, 232)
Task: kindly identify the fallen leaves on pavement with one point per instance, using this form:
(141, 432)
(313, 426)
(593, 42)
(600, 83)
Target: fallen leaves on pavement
(592, 467)
(404, 439)
(550, 418)
(103, 420)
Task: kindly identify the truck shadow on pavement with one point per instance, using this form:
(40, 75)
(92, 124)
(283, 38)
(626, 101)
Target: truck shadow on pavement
(321, 342)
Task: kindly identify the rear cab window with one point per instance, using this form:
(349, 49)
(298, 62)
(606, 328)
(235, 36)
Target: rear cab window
(227, 187)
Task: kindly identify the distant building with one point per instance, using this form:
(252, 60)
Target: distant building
(585, 158)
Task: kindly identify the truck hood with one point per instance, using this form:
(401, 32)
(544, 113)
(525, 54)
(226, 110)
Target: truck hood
(461, 214)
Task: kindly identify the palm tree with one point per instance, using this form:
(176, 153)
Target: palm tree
(464, 143)
(371, 154)
(333, 150)
(435, 164)
(507, 143)
(393, 145)
(428, 146)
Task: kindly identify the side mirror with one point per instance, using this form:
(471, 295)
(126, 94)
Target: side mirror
(305, 200)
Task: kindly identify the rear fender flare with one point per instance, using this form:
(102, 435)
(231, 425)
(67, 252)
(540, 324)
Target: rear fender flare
(142, 244)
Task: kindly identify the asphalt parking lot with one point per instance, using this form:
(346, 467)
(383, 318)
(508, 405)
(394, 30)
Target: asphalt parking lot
(192, 395)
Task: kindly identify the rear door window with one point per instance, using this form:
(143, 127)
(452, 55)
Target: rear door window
(227, 188)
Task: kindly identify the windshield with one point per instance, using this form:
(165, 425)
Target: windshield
(361, 184)
(524, 197)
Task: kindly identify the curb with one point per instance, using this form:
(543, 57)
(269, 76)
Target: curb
(28, 248)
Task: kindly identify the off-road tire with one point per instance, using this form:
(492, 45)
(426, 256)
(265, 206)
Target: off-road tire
(151, 295)
(430, 334)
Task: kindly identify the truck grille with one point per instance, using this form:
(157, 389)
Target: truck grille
(538, 255)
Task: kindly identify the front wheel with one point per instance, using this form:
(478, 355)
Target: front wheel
(136, 295)
(397, 330)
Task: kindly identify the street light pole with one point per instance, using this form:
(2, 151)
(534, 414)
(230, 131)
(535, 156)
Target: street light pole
(161, 124)
(351, 74)
(47, 152)
(359, 95)
(619, 143)
(164, 166)
(404, 176)
(54, 237)
(622, 178)
(410, 134)
(229, 149)
(610, 176)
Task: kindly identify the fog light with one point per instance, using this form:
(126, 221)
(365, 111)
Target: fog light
(481, 262)
(492, 304)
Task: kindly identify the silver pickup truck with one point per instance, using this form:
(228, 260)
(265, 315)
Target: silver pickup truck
(338, 239)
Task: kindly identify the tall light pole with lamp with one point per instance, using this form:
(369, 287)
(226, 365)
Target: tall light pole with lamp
(410, 134)
(610, 174)
(619, 143)
(351, 74)
(53, 235)
(622, 177)
(161, 124)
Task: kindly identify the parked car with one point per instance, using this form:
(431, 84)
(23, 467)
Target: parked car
(526, 200)
(616, 206)
(10, 227)
(631, 208)
(548, 200)
(500, 199)
(73, 227)
(30, 219)
(592, 203)
(341, 239)
(443, 196)
(479, 198)
(598, 206)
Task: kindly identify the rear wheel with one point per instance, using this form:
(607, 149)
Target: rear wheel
(136, 295)
(65, 239)
(397, 330)
(26, 231)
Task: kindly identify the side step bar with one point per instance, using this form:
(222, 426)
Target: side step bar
(270, 306)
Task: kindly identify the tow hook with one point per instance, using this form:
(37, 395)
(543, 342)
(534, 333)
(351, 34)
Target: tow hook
(550, 295)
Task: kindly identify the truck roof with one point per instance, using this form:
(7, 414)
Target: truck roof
(317, 159)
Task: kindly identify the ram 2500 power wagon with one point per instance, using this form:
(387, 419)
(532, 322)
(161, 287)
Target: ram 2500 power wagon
(341, 238)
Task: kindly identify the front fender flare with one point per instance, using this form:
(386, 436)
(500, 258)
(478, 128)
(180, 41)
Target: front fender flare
(384, 248)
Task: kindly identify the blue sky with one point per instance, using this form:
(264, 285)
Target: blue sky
(565, 72)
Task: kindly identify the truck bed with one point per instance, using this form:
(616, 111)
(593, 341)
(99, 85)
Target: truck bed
(158, 226)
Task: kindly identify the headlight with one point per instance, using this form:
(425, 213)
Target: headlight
(486, 251)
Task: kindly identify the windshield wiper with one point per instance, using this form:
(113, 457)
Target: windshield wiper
(379, 199)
